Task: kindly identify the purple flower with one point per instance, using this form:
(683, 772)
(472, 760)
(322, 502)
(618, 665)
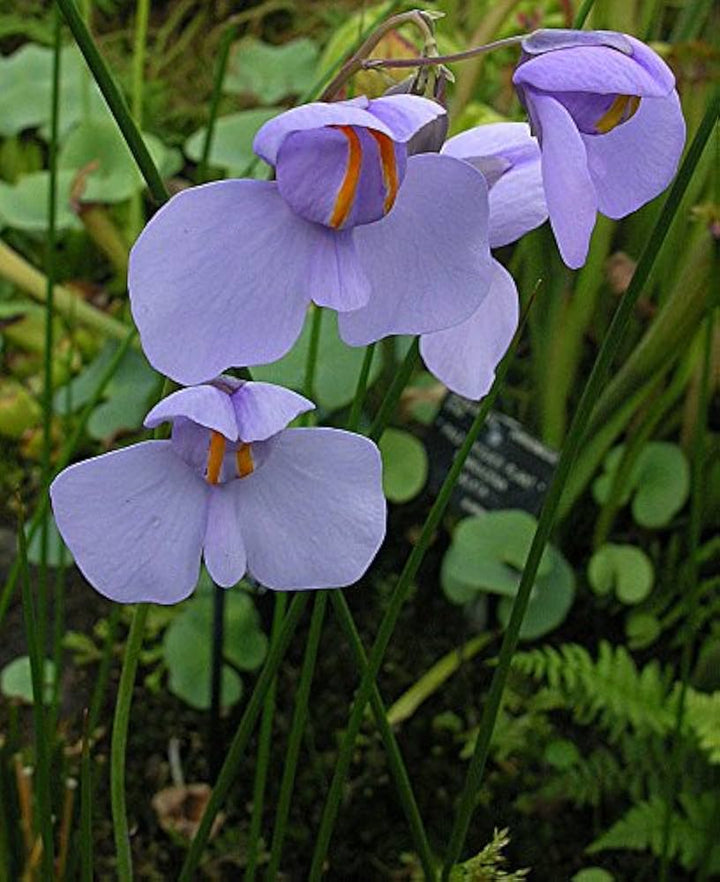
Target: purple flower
(296, 508)
(464, 357)
(611, 131)
(223, 273)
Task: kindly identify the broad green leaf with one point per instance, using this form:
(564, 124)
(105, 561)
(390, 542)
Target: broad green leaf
(625, 569)
(271, 73)
(25, 96)
(96, 151)
(58, 554)
(126, 397)
(188, 647)
(231, 148)
(337, 369)
(24, 204)
(16, 680)
(405, 465)
(659, 482)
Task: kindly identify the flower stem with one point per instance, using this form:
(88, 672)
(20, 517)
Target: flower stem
(220, 71)
(86, 788)
(37, 671)
(573, 443)
(425, 60)
(242, 736)
(215, 734)
(582, 14)
(389, 620)
(389, 402)
(297, 728)
(392, 748)
(264, 743)
(118, 746)
(115, 100)
(361, 389)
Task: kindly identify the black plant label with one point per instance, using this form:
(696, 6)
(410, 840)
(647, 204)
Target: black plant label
(507, 466)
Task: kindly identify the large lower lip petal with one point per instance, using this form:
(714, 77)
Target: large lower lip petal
(134, 520)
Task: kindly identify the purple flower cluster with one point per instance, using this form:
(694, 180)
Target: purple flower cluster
(396, 241)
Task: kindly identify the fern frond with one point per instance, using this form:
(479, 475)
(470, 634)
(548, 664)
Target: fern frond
(609, 690)
(703, 716)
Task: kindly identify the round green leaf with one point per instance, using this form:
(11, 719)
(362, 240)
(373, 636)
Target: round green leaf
(550, 600)
(337, 368)
(659, 482)
(231, 148)
(662, 478)
(405, 465)
(187, 648)
(269, 72)
(16, 680)
(642, 629)
(623, 568)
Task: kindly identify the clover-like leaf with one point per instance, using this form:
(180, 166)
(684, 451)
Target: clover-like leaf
(593, 874)
(405, 465)
(659, 482)
(337, 367)
(187, 648)
(24, 204)
(625, 569)
(16, 680)
(642, 629)
(232, 143)
(96, 150)
(487, 555)
(271, 73)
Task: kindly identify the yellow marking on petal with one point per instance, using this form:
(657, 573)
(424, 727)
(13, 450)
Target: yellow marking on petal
(621, 110)
(349, 185)
(216, 454)
(244, 460)
(389, 167)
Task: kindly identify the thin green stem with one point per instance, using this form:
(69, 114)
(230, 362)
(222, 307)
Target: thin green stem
(582, 14)
(312, 353)
(215, 730)
(297, 728)
(392, 748)
(220, 71)
(361, 389)
(64, 458)
(389, 620)
(264, 745)
(142, 15)
(37, 671)
(115, 100)
(118, 745)
(103, 673)
(49, 317)
(573, 443)
(86, 841)
(400, 381)
(242, 736)
(694, 592)
(427, 60)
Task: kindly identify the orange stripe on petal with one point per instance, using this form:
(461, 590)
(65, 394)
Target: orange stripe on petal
(621, 110)
(348, 188)
(216, 454)
(244, 461)
(389, 167)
